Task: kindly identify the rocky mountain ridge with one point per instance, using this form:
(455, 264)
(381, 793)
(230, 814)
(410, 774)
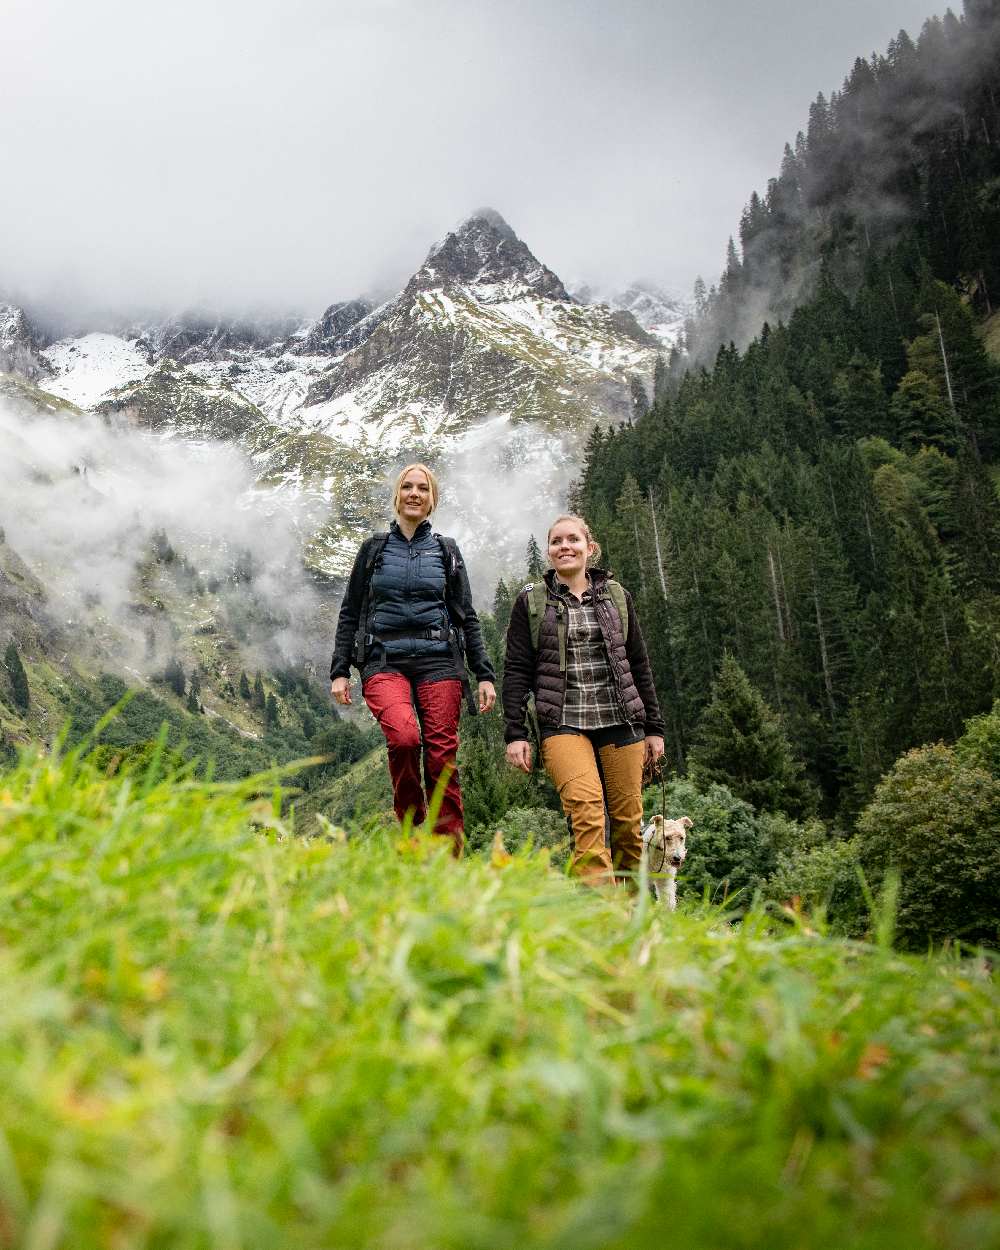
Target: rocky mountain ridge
(484, 342)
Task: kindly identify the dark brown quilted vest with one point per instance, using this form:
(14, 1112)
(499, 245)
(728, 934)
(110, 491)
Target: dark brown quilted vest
(550, 679)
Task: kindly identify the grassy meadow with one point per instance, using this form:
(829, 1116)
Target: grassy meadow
(214, 1033)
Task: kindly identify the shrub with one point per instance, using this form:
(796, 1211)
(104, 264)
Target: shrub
(537, 826)
(979, 746)
(823, 878)
(937, 820)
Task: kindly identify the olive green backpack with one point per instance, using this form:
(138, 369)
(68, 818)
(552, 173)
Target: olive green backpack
(537, 593)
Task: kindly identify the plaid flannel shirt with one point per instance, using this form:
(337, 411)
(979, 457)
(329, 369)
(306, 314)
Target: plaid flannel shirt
(591, 700)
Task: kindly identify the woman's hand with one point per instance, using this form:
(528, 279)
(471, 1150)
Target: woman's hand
(653, 751)
(340, 688)
(487, 695)
(519, 754)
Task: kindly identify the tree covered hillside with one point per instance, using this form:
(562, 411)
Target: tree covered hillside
(908, 149)
(822, 504)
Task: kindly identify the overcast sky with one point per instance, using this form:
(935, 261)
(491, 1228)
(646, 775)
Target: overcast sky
(292, 153)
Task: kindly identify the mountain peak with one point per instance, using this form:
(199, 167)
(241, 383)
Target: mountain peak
(485, 253)
(491, 218)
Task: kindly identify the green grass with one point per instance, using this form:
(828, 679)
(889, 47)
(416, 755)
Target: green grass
(216, 1034)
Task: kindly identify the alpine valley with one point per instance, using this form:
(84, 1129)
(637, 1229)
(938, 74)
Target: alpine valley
(185, 494)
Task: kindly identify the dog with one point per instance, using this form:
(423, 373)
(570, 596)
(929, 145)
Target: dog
(664, 844)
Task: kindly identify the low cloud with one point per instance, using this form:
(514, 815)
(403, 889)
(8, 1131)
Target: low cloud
(504, 482)
(88, 503)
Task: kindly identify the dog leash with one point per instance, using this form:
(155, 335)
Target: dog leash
(658, 768)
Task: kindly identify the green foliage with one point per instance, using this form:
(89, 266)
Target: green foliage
(979, 746)
(19, 689)
(213, 1034)
(936, 819)
(211, 744)
(137, 759)
(534, 827)
(490, 787)
(823, 881)
(244, 687)
(740, 743)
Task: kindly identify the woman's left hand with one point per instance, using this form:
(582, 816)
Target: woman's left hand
(487, 695)
(653, 751)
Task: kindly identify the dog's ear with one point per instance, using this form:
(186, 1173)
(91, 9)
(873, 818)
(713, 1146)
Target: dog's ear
(687, 822)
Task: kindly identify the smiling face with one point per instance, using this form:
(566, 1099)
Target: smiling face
(414, 496)
(569, 546)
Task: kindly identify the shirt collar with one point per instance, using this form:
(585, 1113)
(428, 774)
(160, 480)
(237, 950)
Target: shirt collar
(564, 592)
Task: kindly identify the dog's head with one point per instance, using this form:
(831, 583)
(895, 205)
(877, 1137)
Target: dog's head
(667, 839)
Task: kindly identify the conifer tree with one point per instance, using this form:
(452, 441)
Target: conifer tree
(740, 742)
(258, 691)
(173, 675)
(502, 604)
(661, 377)
(192, 700)
(640, 399)
(245, 691)
(533, 559)
(18, 677)
(270, 712)
(921, 414)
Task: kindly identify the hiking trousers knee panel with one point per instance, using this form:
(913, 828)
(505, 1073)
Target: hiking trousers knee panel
(391, 697)
(571, 762)
(622, 770)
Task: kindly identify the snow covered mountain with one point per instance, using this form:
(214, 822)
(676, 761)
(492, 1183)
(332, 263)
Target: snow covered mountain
(659, 313)
(483, 354)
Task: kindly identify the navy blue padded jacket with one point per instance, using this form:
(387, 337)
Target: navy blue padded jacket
(410, 596)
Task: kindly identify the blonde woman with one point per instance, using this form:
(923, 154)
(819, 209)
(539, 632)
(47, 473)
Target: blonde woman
(408, 625)
(574, 643)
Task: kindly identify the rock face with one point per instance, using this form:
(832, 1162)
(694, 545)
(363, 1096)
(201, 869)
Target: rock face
(485, 253)
(660, 314)
(21, 345)
(482, 327)
(484, 343)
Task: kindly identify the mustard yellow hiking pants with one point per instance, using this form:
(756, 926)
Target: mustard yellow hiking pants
(592, 781)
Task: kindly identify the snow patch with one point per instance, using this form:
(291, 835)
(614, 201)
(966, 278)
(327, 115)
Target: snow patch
(87, 369)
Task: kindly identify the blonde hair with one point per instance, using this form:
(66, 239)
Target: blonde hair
(431, 482)
(572, 516)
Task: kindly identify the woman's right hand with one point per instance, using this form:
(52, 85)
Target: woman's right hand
(340, 688)
(519, 754)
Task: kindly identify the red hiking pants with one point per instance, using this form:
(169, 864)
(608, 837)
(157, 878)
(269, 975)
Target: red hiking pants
(391, 698)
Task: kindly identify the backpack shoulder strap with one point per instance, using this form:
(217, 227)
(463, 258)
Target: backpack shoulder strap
(452, 563)
(376, 545)
(537, 593)
(616, 592)
(452, 555)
